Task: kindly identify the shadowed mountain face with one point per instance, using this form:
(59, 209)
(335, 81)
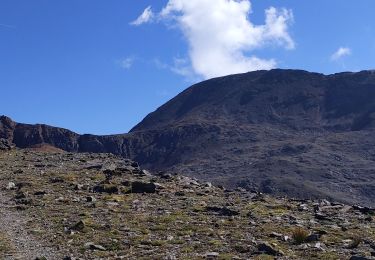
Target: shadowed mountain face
(283, 132)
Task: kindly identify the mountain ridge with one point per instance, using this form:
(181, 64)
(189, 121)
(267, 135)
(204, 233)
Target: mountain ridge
(285, 132)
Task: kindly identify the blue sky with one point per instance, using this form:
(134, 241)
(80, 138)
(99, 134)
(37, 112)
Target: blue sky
(82, 65)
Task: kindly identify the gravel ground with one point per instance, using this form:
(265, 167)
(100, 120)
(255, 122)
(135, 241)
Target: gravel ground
(23, 244)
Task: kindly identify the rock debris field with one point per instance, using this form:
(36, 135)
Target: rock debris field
(58, 205)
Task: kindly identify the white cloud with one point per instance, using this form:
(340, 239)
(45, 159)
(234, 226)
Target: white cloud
(221, 36)
(145, 17)
(127, 63)
(340, 53)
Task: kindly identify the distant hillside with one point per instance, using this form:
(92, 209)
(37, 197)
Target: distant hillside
(285, 132)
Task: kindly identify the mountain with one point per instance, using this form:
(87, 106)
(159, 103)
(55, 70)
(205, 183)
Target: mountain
(284, 132)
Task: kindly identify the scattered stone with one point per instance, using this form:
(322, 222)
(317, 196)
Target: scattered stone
(364, 210)
(202, 204)
(90, 199)
(212, 255)
(40, 193)
(69, 258)
(20, 195)
(180, 193)
(312, 238)
(320, 246)
(276, 235)
(159, 186)
(324, 203)
(106, 188)
(94, 167)
(223, 211)
(21, 185)
(134, 165)
(79, 226)
(61, 199)
(268, 249)
(359, 258)
(144, 173)
(243, 249)
(76, 199)
(208, 185)
(21, 207)
(24, 201)
(164, 175)
(321, 216)
(11, 186)
(92, 246)
(78, 187)
(303, 207)
(56, 180)
(241, 190)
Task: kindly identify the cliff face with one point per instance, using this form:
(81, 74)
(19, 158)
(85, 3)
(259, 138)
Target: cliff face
(25, 135)
(281, 131)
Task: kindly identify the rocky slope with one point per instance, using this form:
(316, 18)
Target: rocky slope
(58, 205)
(283, 132)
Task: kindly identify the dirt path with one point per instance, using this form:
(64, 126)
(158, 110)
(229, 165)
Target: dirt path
(21, 244)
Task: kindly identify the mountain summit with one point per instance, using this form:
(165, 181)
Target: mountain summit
(285, 132)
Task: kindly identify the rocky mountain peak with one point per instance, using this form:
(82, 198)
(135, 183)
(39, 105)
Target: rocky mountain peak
(284, 132)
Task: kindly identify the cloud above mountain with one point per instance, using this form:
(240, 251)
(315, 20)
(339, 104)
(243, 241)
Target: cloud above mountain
(221, 36)
(340, 53)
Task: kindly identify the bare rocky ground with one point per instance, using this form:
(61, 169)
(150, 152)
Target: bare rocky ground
(16, 241)
(57, 205)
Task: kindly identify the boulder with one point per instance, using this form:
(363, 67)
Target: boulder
(11, 186)
(364, 210)
(5, 145)
(142, 187)
(359, 258)
(92, 246)
(321, 216)
(222, 211)
(312, 238)
(90, 199)
(106, 188)
(79, 226)
(268, 249)
(212, 255)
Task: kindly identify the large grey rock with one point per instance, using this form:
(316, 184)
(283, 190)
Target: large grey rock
(143, 187)
(5, 145)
